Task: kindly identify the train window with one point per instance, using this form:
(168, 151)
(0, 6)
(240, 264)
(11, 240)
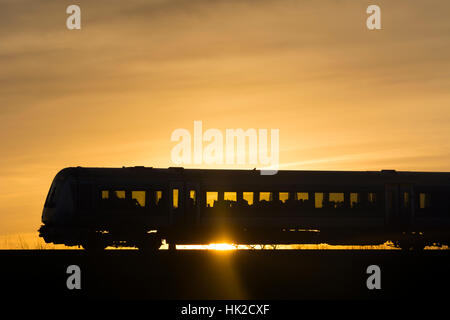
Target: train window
(248, 196)
(192, 196)
(336, 199)
(113, 199)
(372, 197)
(138, 198)
(424, 200)
(120, 194)
(265, 196)
(175, 198)
(230, 196)
(158, 196)
(303, 196)
(283, 196)
(211, 198)
(318, 199)
(354, 199)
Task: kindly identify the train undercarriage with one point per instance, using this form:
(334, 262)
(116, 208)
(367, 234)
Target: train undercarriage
(149, 241)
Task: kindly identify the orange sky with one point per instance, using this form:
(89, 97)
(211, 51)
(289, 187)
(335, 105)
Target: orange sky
(110, 94)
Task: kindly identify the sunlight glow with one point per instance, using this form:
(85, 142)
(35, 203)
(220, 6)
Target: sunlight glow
(221, 246)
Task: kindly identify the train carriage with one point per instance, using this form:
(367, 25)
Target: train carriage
(140, 206)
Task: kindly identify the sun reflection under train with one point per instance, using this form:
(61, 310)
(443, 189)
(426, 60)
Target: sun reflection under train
(321, 246)
(31, 241)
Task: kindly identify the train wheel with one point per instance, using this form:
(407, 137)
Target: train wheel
(411, 245)
(93, 243)
(149, 244)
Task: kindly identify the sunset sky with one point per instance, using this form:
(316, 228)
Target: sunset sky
(111, 94)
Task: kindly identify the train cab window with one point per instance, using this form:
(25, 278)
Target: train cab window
(354, 199)
(248, 196)
(175, 193)
(318, 200)
(424, 200)
(105, 194)
(265, 196)
(158, 196)
(120, 194)
(50, 201)
(211, 198)
(193, 197)
(283, 196)
(138, 198)
(302, 196)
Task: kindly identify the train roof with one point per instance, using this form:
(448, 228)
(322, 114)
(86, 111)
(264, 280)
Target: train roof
(211, 176)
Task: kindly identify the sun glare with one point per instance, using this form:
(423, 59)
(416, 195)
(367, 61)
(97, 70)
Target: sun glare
(221, 246)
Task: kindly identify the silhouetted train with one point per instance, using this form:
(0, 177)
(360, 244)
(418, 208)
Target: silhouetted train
(140, 206)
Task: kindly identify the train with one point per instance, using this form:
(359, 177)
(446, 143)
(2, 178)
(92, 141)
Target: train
(144, 207)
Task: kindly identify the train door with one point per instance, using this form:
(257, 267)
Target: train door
(176, 203)
(84, 196)
(399, 205)
(192, 207)
(407, 199)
